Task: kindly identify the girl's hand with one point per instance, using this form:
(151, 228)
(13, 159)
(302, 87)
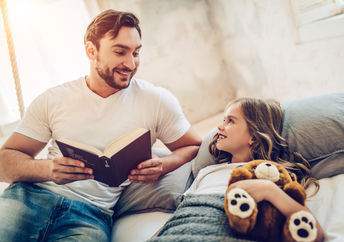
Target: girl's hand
(259, 189)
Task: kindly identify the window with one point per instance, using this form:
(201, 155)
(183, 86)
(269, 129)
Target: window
(318, 19)
(48, 41)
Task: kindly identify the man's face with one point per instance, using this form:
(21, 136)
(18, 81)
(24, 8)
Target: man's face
(118, 59)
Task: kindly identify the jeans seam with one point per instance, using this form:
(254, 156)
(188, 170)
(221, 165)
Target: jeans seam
(46, 230)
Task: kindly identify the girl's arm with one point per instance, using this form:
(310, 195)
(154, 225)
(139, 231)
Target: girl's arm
(261, 189)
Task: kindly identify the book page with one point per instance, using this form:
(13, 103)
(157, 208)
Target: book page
(123, 141)
(85, 147)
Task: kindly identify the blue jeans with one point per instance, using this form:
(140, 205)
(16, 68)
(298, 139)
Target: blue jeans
(32, 213)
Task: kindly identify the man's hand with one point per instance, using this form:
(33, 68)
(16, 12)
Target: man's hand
(65, 170)
(147, 171)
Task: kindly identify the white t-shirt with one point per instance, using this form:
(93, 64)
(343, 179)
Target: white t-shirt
(73, 111)
(213, 179)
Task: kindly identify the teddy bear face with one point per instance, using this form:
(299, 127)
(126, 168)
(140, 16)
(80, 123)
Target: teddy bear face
(264, 169)
(267, 171)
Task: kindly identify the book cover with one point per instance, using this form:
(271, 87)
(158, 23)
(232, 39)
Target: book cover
(112, 170)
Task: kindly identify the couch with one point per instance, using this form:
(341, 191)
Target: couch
(313, 126)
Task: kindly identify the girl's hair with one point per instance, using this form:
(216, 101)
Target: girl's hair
(264, 122)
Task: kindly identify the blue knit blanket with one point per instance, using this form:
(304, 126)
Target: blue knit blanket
(198, 218)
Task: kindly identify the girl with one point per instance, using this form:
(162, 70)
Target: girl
(250, 131)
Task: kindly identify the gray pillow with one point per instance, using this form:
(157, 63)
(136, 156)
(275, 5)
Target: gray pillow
(160, 196)
(203, 157)
(312, 126)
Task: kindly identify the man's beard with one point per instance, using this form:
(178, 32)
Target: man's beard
(108, 77)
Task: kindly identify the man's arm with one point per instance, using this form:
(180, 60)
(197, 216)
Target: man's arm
(18, 163)
(183, 150)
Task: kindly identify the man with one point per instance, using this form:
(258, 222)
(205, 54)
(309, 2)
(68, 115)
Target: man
(57, 198)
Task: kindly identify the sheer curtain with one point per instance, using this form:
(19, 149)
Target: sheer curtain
(48, 40)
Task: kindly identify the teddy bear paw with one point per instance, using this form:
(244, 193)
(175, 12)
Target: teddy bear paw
(302, 226)
(240, 203)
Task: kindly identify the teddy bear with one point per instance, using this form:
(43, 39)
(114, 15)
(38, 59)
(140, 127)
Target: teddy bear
(263, 221)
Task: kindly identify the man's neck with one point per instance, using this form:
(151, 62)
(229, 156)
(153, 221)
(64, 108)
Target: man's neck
(99, 87)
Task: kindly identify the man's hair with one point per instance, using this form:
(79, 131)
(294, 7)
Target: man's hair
(109, 21)
(264, 122)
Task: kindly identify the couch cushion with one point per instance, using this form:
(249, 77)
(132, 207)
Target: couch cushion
(160, 196)
(313, 126)
(203, 157)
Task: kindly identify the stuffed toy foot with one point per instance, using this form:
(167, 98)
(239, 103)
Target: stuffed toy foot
(241, 210)
(300, 226)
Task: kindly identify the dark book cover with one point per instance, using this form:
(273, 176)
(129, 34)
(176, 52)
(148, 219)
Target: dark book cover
(112, 170)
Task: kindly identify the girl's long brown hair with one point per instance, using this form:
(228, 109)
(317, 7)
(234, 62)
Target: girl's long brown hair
(264, 122)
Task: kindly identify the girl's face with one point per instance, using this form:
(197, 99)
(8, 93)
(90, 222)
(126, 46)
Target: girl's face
(234, 136)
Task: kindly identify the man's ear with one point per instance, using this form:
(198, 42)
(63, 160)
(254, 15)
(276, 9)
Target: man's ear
(91, 50)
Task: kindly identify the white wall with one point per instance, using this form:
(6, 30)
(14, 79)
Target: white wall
(181, 51)
(263, 58)
(208, 52)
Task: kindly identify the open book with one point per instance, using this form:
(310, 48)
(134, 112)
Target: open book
(113, 165)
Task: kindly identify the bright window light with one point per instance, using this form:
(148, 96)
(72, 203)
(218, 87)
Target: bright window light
(48, 40)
